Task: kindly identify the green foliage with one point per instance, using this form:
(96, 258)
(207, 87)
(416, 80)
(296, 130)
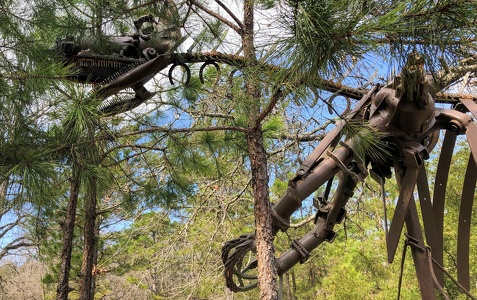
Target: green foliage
(273, 126)
(367, 141)
(328, 37)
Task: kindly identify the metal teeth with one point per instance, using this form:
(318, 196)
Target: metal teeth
(85, 62)
(116, 75)
(102, 63)
(117, 105)
(113, 105)
(120, 72)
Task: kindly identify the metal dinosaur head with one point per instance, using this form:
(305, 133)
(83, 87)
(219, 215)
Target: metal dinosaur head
(115, 63)
(97, 58)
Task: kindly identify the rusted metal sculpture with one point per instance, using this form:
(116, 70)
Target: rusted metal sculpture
(113, 64)
(403, 112)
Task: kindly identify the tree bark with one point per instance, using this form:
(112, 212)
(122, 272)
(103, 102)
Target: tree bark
(267, 272)
(86, 287)
(68, 227)
(96, 254)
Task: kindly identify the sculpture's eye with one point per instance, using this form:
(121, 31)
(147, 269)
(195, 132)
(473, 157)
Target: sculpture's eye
(148, 30)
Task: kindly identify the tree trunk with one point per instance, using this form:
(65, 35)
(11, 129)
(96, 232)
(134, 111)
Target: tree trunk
(267, 272)
(96, 254)
(86, 287)
(68, 227)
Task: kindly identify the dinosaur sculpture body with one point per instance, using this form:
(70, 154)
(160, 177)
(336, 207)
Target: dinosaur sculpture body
(405, 114)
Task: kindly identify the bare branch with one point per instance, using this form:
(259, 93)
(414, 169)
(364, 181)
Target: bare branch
(231, 14)
(15, 244)
(302, 223)
(180, 130)
(450, 75)
(236, 28)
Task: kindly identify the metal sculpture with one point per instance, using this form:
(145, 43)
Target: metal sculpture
(113, 64)
(403, 112)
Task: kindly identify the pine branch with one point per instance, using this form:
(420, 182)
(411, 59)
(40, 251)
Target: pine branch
(14, 245)
(236, 28)
(231, 14)
(181, 130)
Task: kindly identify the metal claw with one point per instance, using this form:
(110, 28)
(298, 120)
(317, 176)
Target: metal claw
(122, 104)
(233, 263)
(187, 69)
(138, 25)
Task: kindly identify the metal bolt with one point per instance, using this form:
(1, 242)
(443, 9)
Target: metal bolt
(455, 127)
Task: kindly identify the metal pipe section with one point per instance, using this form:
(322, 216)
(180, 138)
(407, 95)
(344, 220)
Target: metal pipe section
(329, 215)
(304, 187)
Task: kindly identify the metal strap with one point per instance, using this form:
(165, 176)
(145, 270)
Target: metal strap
(465, 215)
(471, 132)
(356, 177)
(428, 217)
(334, 134)
(279, 222)
(440, 187)
(301, 250)
(405, 197)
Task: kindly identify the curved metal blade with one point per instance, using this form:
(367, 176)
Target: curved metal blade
(468, 192)
(428, 217)
(405, 197)
(439, 196)
(465, 215)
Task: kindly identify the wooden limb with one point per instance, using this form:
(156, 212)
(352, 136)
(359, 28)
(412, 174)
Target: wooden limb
(236, 28)
(14, 245)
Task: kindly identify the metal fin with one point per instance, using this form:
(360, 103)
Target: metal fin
(465, 214)
(468, 192)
